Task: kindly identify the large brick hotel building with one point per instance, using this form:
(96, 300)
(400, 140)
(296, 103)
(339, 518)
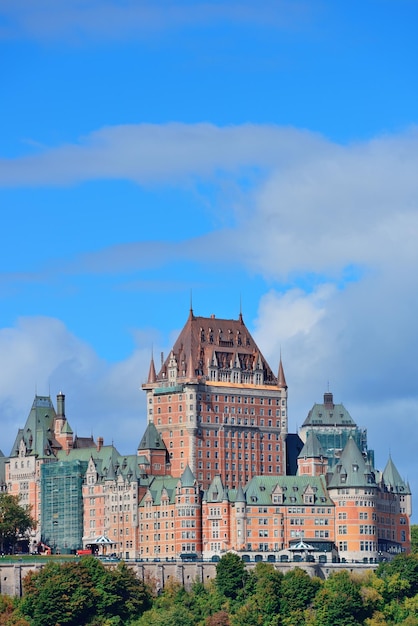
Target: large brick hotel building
(215, 470)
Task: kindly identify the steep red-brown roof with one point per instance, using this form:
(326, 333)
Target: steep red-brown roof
(281, 380)
(152, 375)
(227, 341)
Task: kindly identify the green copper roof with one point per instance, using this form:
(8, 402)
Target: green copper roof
(260, 490)
(352, 470)
(187, 478)
(151, 439)
(160, 485)
(312, 447)
(240, 497)
(66, 429)
(108, 462)
(393, 480)
(329, 414)
(37, 436)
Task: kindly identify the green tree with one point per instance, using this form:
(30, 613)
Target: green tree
(262, 593)
(76, 593)
(175, 615)
(400, 576)
(15, 521)
(59, 594)
(205, 602)
(339, 602)
(249, 614)
(298, 590)
(230, 575)
(10, 614)
(130, 597)
(414, 538)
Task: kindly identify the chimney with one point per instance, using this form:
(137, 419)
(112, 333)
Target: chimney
(328, 400)
(60, 405)
(99, 443)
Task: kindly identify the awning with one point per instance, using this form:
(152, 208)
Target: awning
(301, 545)
(103, 541)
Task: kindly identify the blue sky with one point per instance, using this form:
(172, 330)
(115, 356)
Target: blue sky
(256, 153)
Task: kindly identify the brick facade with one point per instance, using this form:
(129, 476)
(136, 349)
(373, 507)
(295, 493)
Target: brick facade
(209, 474)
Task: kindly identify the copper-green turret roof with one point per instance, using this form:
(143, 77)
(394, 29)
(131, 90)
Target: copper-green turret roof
(187, 478)
(37, 436)
(393, 480)
(66, 429)
(215, 491)
(240, 497)
(312, 448)
(352, 470)
(151, 439)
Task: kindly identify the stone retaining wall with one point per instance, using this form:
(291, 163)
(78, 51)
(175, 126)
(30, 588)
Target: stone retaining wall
(12, 575)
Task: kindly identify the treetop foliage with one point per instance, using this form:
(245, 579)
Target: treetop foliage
(86, 593)
(76, 593)
(15, 521)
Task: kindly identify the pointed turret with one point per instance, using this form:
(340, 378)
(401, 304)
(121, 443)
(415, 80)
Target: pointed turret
(281, 380)
(312, 448)
(312, 459)
(352, 470)
(151, 439)
(393, 480)
(152, 375)
(153, 448)
(240, 497)
(187, 478)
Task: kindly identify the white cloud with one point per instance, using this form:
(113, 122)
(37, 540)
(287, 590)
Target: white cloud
(171, 153)
(337, 206)
(313, 206)
(42, 356)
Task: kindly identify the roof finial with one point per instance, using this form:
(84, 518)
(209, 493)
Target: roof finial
(191, 315)
(240, 308)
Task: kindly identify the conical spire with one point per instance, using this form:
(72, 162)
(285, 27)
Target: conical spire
(351, 469)
(151, 439)
(187, 478)
(312, 448)
(281, 380)
(152, 375)
(393, 479)
(240, 497)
